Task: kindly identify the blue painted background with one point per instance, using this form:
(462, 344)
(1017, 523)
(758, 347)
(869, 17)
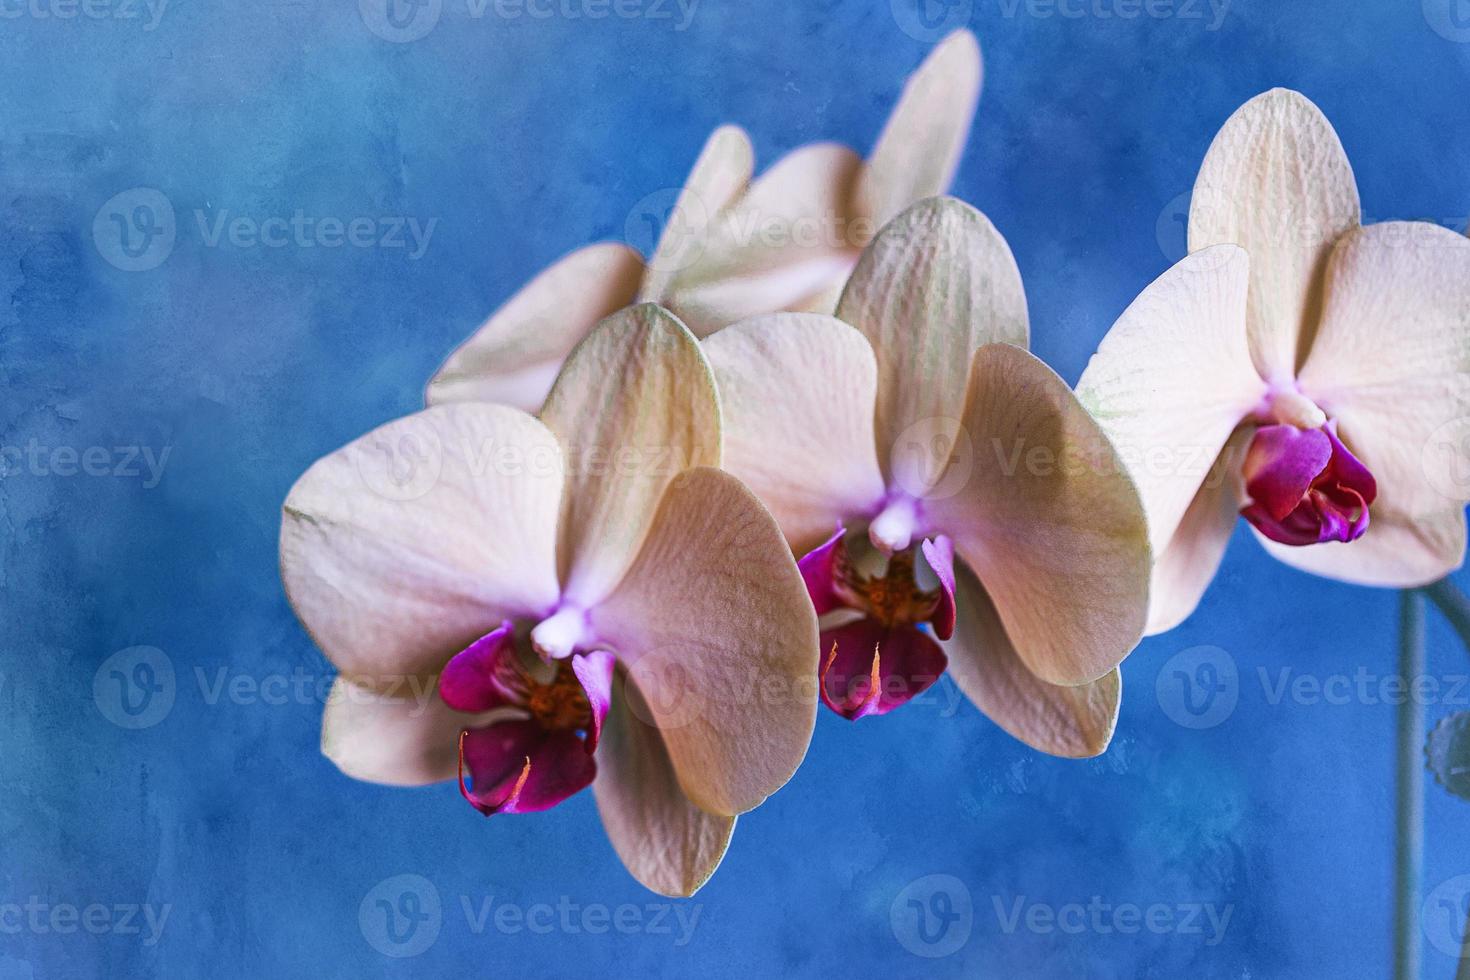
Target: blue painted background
(525, 137)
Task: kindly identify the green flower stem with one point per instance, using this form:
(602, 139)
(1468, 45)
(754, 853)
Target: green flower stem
(1453, 605)
(1409, 853)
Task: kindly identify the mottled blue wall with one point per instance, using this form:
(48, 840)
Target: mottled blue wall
(522, 137)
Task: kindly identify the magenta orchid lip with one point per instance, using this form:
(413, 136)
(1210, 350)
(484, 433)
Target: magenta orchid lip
(541, 751)
(888, 654)
(1305, 487)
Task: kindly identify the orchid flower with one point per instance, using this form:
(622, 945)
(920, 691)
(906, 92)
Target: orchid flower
(732, 247)
(954, 505)
(592, 595)
(1298, 368)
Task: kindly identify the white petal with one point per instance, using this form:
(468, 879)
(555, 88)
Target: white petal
(797, 392)
(718, 178)
(405, 545)
(920, 147)
(1187, 563)
(1392, 360)
(714, 623)
(1073, 722)
(1048, 519)
(1173, 378)
(789, 239)
(666, 842)
(936, 284)
(1277, 182)
(634, 406)
(514, 356)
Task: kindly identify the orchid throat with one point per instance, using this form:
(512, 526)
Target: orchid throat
(880, 650)
(1305, 486)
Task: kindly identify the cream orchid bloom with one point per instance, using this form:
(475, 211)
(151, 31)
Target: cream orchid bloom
(657, 598)
(732, 247)
(982, 521)
(1314, 360)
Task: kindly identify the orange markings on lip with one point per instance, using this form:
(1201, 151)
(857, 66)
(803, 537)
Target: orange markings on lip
(562, 704)
(875, 683)
(515, 791)
(893, 598)
(875, 678)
